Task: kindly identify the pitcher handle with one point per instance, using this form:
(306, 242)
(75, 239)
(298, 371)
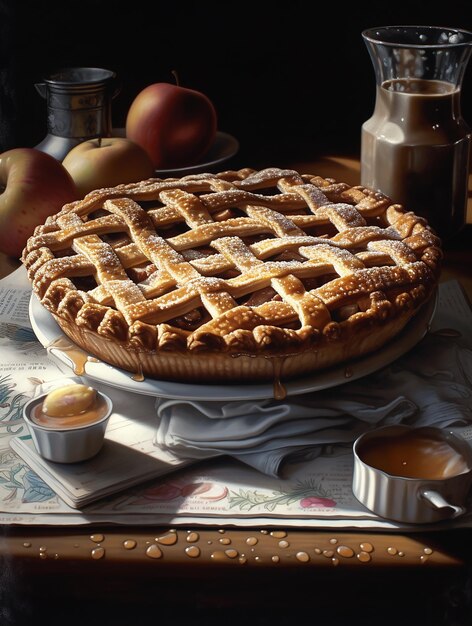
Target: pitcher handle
(439, 502)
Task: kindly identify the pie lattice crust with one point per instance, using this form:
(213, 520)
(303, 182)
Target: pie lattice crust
(233, 276)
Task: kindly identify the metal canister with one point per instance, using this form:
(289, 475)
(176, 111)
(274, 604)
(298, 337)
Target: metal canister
(78, 107)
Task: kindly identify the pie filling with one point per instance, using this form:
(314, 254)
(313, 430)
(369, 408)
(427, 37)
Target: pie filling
(178, 277)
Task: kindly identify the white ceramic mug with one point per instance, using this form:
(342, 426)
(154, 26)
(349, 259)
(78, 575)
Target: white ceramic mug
(434, 490)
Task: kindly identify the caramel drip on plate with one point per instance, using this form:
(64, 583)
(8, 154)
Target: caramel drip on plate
(76, 355)
(79, 358)
(138, 376)
(280, 392)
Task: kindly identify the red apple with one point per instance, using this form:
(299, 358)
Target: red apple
(175, 125)
(107, 162)
(35, 186)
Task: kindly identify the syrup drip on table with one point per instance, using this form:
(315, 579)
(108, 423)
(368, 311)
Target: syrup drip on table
(192, 551)
(336, 553)
(98, 553)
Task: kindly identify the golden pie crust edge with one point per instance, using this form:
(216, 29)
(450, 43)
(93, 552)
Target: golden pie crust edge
(220, 367)
(265, 352)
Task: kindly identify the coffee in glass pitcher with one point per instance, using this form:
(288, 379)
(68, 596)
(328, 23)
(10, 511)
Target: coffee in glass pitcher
(415, 148)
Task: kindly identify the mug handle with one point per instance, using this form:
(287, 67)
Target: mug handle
(439, 502)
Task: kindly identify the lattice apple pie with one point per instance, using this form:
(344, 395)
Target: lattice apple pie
(237, 276)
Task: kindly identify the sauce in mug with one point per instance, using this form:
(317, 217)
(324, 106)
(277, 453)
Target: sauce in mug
(69, 407)
(414, 454)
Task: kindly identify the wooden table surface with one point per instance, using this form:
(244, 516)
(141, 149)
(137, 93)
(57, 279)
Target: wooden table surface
(107, 574)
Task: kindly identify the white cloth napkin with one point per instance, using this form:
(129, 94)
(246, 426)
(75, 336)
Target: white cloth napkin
(431, 385)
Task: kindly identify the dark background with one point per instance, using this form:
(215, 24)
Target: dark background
(291, 80)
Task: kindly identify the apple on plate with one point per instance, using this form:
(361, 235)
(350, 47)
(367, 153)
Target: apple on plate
(107, 162)
(35, 185)
(175, 125)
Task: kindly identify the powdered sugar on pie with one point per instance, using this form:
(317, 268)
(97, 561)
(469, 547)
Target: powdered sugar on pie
(229, 276)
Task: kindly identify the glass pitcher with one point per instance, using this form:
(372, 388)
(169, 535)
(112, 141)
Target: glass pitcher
(415, 148)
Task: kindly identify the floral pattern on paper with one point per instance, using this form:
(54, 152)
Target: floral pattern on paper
(18, 482)
(180, 493)
(173, 490)
(35, 490)
(308, 495)
(11, 408)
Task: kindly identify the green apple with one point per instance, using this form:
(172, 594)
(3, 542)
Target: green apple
(35, 185)
(107, 162)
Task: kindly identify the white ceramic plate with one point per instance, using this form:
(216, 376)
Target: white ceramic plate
(224, 147)
(47, 331)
